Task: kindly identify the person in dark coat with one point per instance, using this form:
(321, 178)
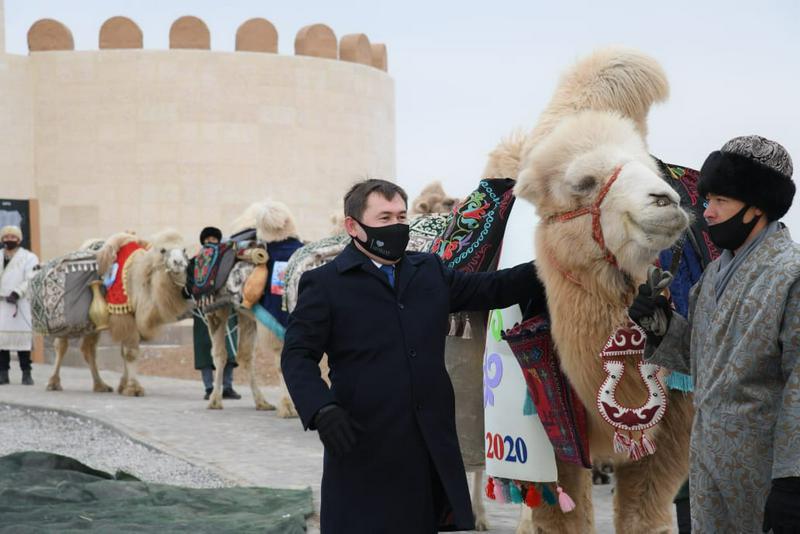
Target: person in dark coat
(203, 361)
(392, 462)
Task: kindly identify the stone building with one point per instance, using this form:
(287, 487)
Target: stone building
(123, 138)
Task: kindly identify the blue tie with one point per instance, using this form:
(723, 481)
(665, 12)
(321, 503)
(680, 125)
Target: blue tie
(388, 270)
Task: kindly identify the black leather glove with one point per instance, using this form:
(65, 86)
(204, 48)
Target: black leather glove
(12, 298)
(336, 429)
(782, 511)
(643, 310)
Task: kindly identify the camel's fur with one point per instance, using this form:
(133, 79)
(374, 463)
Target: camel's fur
(154, 279)
(273, 221)
(596, 122)
(432, 199)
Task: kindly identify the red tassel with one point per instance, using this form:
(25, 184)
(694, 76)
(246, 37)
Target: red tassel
(636, 451)
(532, 497)
(621, 443)
(648, 445)
(565, 501)
(490, 488)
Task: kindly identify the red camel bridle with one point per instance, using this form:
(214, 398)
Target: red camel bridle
(597, 229)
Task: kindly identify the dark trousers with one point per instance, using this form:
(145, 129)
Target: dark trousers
(24, 360)
(684, 516)
(227, 376)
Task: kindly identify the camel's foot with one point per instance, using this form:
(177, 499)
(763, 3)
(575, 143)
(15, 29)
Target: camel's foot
(215, 402)
(525, 526)
(132, 389)
(261, 404)
(481, 522)
(54, 384)
(102, 387)
(286, 409)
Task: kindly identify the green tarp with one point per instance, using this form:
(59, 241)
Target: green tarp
(42, 492)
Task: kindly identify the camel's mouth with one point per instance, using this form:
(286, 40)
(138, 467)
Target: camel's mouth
(657, 233)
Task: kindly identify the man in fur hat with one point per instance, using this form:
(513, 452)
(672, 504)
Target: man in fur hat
(741, 344)
(15, 309)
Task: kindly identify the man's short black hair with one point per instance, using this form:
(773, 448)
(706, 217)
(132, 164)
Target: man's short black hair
(355, 201)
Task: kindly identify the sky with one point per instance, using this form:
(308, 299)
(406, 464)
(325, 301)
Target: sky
(468, 73)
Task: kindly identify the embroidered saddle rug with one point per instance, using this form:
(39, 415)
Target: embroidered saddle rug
(117, 295)
(561, 412)
(210, 268)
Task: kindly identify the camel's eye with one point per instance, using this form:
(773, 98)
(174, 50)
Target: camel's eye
(585, 184)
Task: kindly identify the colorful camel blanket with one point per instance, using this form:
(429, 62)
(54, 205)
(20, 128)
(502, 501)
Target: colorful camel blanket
(210, 268)
(561, 412)
(60, 295)
(473, 236)
(117, 294)
(471, 242)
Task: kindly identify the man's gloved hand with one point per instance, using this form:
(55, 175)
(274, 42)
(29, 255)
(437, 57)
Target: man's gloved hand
(12, 298)
(782, 511)
(337, 430)
(651, 313)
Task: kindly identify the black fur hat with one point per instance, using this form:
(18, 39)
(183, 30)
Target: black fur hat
(210, 231)
(752, 169)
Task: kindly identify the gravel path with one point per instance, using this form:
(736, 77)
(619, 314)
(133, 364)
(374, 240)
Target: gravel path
(96, 445)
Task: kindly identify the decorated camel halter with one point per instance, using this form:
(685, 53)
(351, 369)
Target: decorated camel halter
(630, 424)
(594, 211)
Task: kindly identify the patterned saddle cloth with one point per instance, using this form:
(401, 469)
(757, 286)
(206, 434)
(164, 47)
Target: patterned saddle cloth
(561, 412)
(216, 277)
(60, 295)
(209, 270)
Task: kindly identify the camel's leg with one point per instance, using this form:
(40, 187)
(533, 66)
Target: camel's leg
(130, 353)
(89, 350)
(286, 409)
(525, 525)
(123, 380)
(478, 509)
(245, 356)
(577, 483)
(646, 488)
(217, 331)
(60, 344)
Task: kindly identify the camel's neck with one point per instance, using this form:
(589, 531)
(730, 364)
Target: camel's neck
(156, 296)
(586, 305)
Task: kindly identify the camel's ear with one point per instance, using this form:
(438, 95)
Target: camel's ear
(586, 184)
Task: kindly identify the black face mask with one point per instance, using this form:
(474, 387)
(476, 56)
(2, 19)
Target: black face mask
(10, 245)
(386, 242)
(731, 234)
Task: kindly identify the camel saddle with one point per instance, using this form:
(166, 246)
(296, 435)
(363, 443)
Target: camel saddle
(560, 410)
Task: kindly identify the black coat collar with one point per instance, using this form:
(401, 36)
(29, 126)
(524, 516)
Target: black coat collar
(352, 258)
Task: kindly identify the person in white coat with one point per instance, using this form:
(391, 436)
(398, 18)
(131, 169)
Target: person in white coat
(16, 270)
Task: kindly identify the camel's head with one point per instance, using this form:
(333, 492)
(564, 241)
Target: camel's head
(596, 187)
(171, 248)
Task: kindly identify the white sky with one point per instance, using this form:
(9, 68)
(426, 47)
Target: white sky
(469, 72)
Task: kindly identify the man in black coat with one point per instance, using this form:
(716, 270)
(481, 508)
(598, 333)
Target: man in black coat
(392, 461)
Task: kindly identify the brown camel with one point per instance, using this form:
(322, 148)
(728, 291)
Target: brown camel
(154, 280)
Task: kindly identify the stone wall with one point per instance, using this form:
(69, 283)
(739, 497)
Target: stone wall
(131, 139)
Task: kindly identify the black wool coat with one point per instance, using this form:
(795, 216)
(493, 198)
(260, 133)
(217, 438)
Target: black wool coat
(385, 350)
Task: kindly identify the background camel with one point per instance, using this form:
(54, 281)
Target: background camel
(154, 280)
(591, 132)
(273, 222)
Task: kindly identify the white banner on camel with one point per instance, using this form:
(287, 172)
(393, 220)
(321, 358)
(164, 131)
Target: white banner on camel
(516, 445)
